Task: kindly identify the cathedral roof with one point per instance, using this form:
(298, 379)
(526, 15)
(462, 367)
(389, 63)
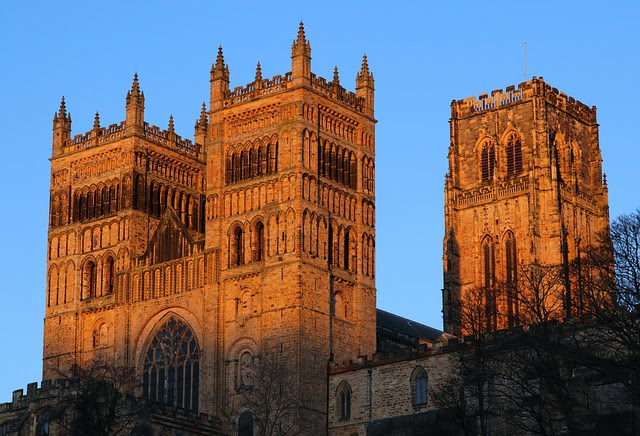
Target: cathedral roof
(395, 331)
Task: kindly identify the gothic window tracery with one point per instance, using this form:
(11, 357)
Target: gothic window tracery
(511, 279)
(488, 281)
(418, 382)
(487, 160)
(344, 401)
(514, 154)
(171, 368)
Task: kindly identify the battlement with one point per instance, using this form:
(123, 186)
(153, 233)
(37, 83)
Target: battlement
(47, 390)
(444, 344)
(172, 141)
(95, 137)
(337, 92)
(254, 90)
(279, 83)
(114, 132)
(536, 87)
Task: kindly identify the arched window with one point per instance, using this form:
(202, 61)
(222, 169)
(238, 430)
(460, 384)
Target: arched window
(89, 280)
(245, 370)
(346, 250)
(258, 241)
(139, 191)
(514, 155)
(101, 336)
(488, 255)
(229, 168)
(237, 247)
(344, 401)
(488, 262)
(245, 424)
(42, 423)
(109, 274)
(171, 369)
(487, 160)
(511, 279)
(418, 387)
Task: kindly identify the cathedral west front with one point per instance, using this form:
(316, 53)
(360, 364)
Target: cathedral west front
(186, 260)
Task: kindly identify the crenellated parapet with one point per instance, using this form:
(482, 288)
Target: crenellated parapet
(94, 138)
(115, 132)
(536, 87)
(445, 344)
(299, 76)
(337, 93)
(170, 140)
(133, 126)
(255, 90)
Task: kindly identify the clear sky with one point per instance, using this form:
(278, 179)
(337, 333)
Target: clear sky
(423, 54)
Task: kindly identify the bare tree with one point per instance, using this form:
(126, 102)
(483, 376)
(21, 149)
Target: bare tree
(609, 275)
(101, 402)
(539, 293)
(466, 394)
(265, 400)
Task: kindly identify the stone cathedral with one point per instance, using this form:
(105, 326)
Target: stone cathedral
(188, 261)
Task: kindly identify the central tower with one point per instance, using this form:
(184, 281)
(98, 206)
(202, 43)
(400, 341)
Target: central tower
(524, 187)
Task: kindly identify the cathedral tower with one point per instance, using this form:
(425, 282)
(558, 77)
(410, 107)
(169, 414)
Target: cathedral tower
(525, 186)
(189, 261)
(290, 208)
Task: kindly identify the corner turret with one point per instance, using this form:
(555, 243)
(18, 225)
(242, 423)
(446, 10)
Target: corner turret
(219, 81)
(202, 125)
(135, 109)
(61, 129)
(301, 59)
(364, 86)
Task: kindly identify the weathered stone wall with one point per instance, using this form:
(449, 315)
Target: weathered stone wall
(381, 388)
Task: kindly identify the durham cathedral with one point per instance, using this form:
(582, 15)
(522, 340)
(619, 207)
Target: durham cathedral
(192, 261)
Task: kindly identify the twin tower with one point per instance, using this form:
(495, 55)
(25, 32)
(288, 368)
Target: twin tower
(187, 260)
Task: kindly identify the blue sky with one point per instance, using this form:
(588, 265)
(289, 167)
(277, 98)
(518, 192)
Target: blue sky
(423, 55)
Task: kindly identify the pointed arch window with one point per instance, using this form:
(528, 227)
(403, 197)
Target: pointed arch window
(511, 279)
(344, 401)
(171, 369)
(514, 154)
(245, 424)
(418, 387)
(488, 263)
(487, 160)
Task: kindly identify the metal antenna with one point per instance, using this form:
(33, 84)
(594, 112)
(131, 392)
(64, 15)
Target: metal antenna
(525, 61)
